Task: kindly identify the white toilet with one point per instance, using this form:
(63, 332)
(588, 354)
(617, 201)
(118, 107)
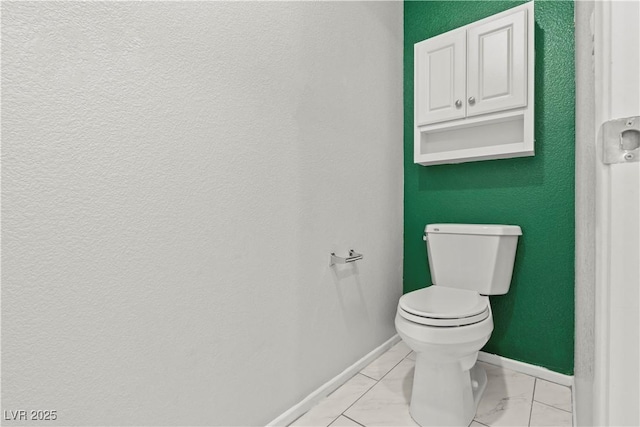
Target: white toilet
(446, 324)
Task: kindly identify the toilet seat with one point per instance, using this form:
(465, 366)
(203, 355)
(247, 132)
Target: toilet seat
(443, 306)
(429, 321)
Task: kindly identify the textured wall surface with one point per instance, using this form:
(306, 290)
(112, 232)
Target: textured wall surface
(534, 322)
(174, 177)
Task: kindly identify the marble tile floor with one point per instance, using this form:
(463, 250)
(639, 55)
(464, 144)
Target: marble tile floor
(379, 395)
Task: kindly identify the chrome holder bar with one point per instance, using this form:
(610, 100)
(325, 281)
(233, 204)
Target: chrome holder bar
(353, 256)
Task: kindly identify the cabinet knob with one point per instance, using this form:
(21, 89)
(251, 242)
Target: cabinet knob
(458, 103)
(472, 100)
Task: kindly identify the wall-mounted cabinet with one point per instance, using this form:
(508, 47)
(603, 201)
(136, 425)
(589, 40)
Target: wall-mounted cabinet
(473, 91)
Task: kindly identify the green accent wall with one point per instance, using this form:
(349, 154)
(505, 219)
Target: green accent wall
(534, 322)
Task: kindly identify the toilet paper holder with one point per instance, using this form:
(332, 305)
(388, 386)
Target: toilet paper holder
(353, 256)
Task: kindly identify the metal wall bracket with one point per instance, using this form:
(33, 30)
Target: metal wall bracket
(620, 140)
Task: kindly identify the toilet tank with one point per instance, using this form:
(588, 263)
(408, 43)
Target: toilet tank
(472, 256)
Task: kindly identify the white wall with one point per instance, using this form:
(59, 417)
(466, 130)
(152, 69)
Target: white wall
(174, 178)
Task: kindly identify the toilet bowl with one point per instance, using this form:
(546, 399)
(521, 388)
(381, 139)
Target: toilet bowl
(445, 356)
(447, 323)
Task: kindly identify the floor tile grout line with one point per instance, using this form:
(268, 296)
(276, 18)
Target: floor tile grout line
(361, 396)
(327, 396)
(360, 424)
(367, 376)
(369, 389)
(554, 407)
(532, 400)
(333, 420)
(387, 352)
(394, 366)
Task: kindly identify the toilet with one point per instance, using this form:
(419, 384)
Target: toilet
(447, 323)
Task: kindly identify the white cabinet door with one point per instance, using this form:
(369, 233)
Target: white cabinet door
(497, 64)
(439, 78)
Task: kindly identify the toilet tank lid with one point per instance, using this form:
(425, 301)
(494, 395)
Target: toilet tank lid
(485, 229)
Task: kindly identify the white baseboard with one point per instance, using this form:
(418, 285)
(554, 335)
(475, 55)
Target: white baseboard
(329, 387)
(574, 413)
(525, 368)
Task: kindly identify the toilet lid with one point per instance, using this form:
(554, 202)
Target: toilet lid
(441, 302)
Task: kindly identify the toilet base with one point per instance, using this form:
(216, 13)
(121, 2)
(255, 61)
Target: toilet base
(445, 394)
